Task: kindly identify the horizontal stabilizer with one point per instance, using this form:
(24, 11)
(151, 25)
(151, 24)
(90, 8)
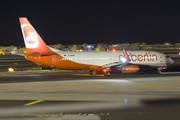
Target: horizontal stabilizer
(37, 54)
(20, 54)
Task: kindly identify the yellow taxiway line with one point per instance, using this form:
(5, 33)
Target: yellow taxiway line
(31, 103)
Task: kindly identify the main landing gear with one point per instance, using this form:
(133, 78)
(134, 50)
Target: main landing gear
(92, 72)
(107, 73)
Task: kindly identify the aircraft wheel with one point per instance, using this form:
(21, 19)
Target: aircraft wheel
(92, 72)
(107, 74)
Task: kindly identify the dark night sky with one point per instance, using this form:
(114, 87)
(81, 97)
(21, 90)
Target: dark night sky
(91, 21)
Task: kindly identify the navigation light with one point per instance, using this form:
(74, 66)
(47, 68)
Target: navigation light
(123, 60)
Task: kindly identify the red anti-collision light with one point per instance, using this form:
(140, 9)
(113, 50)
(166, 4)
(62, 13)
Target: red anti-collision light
(104, 70)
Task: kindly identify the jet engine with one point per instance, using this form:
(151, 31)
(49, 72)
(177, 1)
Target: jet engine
(129, 69)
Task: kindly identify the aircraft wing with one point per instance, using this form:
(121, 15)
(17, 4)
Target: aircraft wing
(124, 61)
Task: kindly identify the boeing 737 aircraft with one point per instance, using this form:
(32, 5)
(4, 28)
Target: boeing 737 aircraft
(103, 61)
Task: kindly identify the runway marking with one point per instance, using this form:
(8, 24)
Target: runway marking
(111, 80)
(87, 75)
(150, 79)
(31, 103)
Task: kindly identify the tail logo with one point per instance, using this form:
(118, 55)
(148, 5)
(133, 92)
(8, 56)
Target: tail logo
(31, 39)
(30, 36)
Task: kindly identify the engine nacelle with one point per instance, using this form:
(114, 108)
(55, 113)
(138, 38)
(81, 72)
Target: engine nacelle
(130, 69)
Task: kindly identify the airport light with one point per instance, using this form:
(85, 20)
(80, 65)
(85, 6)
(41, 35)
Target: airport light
(114, 50)
(10, 69)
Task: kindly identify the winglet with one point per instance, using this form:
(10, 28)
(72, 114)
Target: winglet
(125, 55)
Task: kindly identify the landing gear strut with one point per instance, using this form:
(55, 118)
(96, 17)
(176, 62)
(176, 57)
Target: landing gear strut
(92, 72)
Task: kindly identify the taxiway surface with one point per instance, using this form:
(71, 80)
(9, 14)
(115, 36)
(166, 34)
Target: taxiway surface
(81, 86)
(131, 96)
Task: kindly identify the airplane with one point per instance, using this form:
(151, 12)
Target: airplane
(93, 61)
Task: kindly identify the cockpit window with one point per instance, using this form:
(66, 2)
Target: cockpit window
(167, 56)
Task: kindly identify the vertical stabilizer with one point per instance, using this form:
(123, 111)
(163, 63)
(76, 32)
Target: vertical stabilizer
(33, 41)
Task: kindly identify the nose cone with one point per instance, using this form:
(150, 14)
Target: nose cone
(169, 61)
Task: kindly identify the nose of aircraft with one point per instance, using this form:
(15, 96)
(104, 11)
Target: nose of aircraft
(169, 61)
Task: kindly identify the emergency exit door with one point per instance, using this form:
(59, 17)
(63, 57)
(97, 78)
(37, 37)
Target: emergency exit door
(54, 59)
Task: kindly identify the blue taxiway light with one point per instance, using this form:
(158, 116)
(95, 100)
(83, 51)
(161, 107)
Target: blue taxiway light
(125, 100)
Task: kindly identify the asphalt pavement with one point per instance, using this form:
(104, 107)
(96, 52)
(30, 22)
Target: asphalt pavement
(139, 96)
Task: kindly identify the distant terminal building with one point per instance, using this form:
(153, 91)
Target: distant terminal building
(89, 47)
(124, 44)
(167, 43)
(23, 50)
(1, 52)
(100, 49)
(12, 49)
(56, 46)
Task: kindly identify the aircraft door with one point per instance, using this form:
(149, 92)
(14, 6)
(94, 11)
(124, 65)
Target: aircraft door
(54, 59)
(161, 59)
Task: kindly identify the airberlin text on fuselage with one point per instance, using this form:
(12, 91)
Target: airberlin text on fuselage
(140, 57)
